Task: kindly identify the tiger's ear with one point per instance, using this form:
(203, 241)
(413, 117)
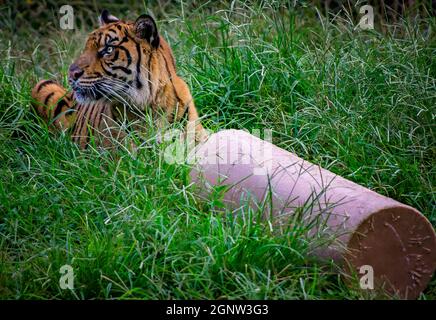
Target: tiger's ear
(106, 17)
(145, 28)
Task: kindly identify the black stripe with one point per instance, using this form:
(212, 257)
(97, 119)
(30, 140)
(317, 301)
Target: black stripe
(128, 55)
(92, 76)
(94, 112)
(117, 53)
(108, 72)
(125, 39)
(171, 77)
(114, 39)
(59, 107)
(138, 66)
(185, 114)
(125, 70)
(48, 98)
(174, 88)
(77, 123)
(150, 87)
(98, 41)
(73, 128)
(43, 84)
(97, 124)
(81, 116)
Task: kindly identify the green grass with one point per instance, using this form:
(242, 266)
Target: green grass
(359, 103)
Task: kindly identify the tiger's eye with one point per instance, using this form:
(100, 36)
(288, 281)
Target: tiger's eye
(109, 49)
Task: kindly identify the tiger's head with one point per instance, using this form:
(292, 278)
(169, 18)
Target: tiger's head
(115, 63)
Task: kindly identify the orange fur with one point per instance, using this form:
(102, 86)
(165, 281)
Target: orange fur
(54, 103)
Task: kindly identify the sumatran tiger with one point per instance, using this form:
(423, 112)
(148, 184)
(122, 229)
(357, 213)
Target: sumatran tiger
(122, 62)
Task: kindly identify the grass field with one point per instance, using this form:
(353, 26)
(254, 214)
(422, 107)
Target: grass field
(359, 103)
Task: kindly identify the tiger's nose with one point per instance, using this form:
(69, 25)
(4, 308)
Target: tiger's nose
(75, 72)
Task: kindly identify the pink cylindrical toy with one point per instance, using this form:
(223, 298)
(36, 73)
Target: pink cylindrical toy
(368, 229)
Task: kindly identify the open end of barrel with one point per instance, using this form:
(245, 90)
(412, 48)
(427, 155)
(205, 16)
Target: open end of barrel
(398, 246)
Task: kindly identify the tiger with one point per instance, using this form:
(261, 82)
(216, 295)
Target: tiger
(123, 63)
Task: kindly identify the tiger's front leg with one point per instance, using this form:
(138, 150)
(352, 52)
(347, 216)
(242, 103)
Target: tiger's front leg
(54, 104)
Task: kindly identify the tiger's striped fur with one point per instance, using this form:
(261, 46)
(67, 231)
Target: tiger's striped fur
(82, 120)
(123, 63)
(54, 103)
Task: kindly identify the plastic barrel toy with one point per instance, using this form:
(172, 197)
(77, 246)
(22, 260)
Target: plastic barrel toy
(395, 240)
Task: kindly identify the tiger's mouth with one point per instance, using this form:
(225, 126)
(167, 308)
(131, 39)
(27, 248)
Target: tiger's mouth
(96, 91)
(85, 94)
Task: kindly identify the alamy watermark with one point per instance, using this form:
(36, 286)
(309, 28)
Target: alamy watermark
(66, 281)
(66, 22)
(367, 20)
(367, 279)
(231, 150)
